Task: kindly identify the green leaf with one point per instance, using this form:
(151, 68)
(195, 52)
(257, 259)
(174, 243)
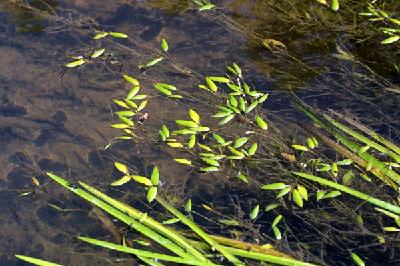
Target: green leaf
(363, 149)
(261, 123)
(391, 229)
(154, 61)
(121, 181)
(271, 207)
(251, 107)
(310, 143)
(192, 141)
(120, 126)
(183, 161)
(347, 177)
(263, 98)
(320, 194)
(186, 123)
(303, 192)
(252, 150)
(242, 177)
(131, 80)
(126, 120)
(211, 84)
(277, 232)
(232, 101)
(335, 5)
(97, 53)
(226, 119)
(132, 93)
(237, 69)
(164, 45)
(297, 198)
(299, 147)
(218, 138)
(254, 212)
(284, 191)
(275, 186)
(121, 167)
(209, 169)
(142, 180)
(277, 220)
(207, 7)
(332, 194)
(125, 113)
(220, 79)
(188, 205)
(155, 176)
(163, 90)
(100, 35)
(171, 221)
(391, 39)
(165, 131)
(151, 194)
(184, 131)
(76, 63)
(344, 162)
(194, 116)
(118, 34)
(36, 261)
(210, 161)
(357, 259)
(240, 142)
(142, 105)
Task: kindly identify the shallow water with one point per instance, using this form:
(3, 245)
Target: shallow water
(57, 121)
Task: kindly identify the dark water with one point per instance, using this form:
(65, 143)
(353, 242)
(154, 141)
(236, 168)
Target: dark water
(59, 122)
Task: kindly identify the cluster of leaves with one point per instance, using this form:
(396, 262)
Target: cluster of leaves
(392, 25)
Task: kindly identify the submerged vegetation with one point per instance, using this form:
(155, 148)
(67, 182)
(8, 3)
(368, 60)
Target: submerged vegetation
(301, 193)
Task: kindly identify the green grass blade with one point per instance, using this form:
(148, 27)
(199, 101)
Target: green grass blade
(362, 138)
(150, 222)
(143, 253)
(36, 261)
(350, 191)
(125, 218)
(200, 232)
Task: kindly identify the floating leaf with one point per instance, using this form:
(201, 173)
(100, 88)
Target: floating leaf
(120, 126)
(171, 221)
(100, 35)
(121, 167)
(209, 169)
(226, 119)
(121, 181)
(192, 141)
(299, 147)
(232, 101)
(320, 194)
(164, 45)
(118, 34)
(154, 61)
(242, 177)
(188, 205)
(237, 69)
(303, 192)
(220, 79)
(207, 7)
(183, 161)
(211, 84)
(261, 123)
(332, 194)
(240, 142)
(155, 176)
(97, 53)
(252, 150)
(184, 131)
(126, 120)
(363, 149)
(151, 194)
(251, 107)
(297, 198)
(36, 261)
(277, 232)
(357, 259)
(194, 116)
(125, 113)
(391, 229)
(210, 161)
(165, 131)
(163, 90)
(175, 144)
(131, 80)
(335, 5)
(284, 191)
(263, 98)
(391, 39)
(254, 212)
(275, 186)
(344, 162)
(271, 207)
(218, 138)
(142, 180)
(277, 220)
(121, 103)
(186, 123)
(76, 63)
(132, 93)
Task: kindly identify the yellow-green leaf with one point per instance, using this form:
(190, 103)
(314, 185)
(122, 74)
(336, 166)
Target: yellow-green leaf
(100, 35)
(303, 192)
(142, 180)
(335, 5)
(151, 194)
(254, 212)
(164, 45)
(391, 39)
(275, 186)
(297, 198)
(194, 116)
(131, 80)
(357, 259)
(121, 181)
(183, 161)
(155, 176)
(76, 63)
(121, 167)
(261, 123)
(97, 53)
(118, 34)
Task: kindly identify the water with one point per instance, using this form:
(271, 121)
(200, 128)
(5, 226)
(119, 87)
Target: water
(57, 121)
